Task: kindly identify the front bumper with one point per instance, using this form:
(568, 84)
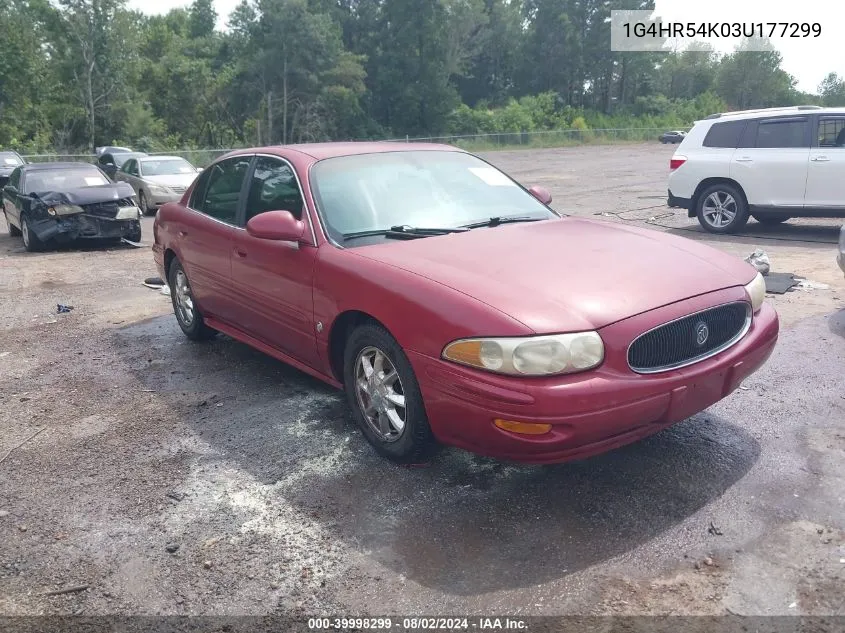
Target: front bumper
(82, 226)
(590, 413)
(158, 199)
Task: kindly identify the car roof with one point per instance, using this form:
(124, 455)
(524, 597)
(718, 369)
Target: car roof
(52, 166)
(156, 157)
(748, 114)
(320, 151)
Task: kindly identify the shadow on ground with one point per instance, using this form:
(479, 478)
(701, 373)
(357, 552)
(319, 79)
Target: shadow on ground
(464, 525)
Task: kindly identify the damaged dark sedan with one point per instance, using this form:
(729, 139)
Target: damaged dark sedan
(55, 203)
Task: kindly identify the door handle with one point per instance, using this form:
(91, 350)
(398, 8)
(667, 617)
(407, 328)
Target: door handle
(240, 253)
(744, 159)
(819, 159)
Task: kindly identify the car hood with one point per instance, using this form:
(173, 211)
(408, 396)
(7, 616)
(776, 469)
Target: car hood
(87, 195)
(175, 180)
(567, 274)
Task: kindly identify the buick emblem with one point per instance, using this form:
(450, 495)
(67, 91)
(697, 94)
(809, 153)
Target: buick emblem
(701, 333)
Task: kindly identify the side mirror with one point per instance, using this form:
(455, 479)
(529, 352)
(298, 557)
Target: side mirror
(276, 225)
(542, 194)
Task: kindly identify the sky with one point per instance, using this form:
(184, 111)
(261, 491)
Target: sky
(808, 60)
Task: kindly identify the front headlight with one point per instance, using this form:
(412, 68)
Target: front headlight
(160, 189)
(65, 209)
(529, 356)
(756, 292)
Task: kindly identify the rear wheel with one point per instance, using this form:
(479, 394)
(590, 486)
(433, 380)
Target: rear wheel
(771, 219)
(721, 208)
(13, 230)
(30, 240)
(187, 314)
(384, 395)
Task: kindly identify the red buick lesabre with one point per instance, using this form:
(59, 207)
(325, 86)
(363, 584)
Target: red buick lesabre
(453, 305)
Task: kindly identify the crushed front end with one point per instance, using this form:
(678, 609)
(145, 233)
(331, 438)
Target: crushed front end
(103, 212)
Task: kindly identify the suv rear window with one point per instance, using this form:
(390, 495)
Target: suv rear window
(782, 133)
(724, 134)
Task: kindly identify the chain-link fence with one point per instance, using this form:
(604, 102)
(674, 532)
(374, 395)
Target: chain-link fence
(473, 142)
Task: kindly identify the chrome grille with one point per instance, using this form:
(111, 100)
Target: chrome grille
(179, 189)
(689, 339)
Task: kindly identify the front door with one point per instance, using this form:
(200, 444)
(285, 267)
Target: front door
(272, 279)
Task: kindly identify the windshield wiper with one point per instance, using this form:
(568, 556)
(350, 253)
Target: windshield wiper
(496, 221)
(405, 232)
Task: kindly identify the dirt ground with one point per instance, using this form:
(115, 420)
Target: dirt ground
(170, 477)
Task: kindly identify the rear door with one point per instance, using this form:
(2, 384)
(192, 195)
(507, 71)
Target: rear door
(771, 162)
(826, 171)
(11, 198)
(273, 280)
(204, 235)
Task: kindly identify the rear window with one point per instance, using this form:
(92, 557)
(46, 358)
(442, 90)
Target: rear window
(782, 133)
(725, 134)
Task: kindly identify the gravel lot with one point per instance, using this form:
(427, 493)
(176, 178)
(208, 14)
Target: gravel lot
(179, 478)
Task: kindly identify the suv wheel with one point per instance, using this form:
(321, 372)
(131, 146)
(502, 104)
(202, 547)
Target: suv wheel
(722, 208)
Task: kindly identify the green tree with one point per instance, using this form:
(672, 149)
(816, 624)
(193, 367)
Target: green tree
(832, 90)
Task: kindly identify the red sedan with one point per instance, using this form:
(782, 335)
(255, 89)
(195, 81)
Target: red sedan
(455, 306)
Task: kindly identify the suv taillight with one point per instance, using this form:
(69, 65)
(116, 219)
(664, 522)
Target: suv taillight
(676, 161)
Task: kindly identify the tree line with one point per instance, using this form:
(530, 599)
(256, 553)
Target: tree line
(80, 73)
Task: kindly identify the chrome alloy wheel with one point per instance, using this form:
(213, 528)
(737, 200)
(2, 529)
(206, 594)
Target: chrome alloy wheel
(719, 209)
(380, 394)
(184, 300)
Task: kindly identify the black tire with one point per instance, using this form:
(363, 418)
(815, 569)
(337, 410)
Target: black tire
(415, 442)
(30, 240)
(142, 202)
(195, 328)
(771, 219)
(13, 230)
(733, 200)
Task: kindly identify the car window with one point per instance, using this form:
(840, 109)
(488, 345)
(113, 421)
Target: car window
(782, 133)
(128, 166)
(105, 159)
(10, 159)
(725, 134)
(221, 196)
(273, 188)
(15, 178)
(831, 132)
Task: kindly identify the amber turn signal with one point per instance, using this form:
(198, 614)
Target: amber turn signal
(524, 428)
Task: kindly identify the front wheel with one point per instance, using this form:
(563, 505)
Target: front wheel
(771, 219)
(721, 208)
(384, 395)
(187, 315)
(30, 240)
(142, 202)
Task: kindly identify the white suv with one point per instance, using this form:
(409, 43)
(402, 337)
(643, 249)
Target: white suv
(770, 164)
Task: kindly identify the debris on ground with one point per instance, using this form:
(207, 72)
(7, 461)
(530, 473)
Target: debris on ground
(62, 308)
(156, 283)
(73, 589)
(760, 260)
(14, 448)
(811, 285)
(779, 283)
(131, 243)
(176, 496)
(714, 530)
(171, 548)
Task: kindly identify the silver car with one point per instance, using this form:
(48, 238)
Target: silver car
(157, 179)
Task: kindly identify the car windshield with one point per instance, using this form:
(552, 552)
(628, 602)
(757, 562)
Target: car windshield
(431, 189)
(167, 167)
(10, 159)
(64, 179)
